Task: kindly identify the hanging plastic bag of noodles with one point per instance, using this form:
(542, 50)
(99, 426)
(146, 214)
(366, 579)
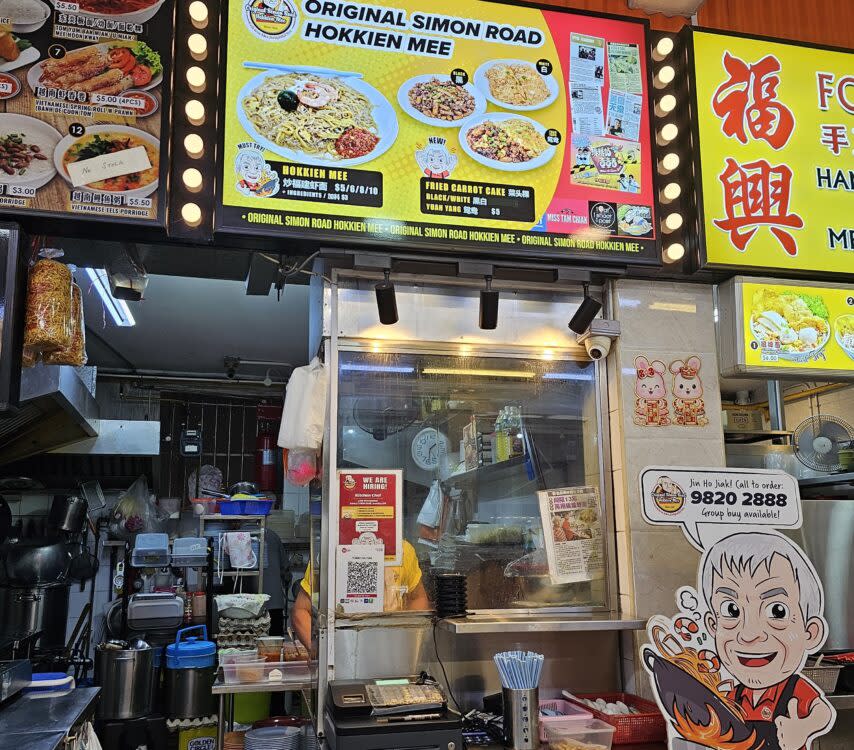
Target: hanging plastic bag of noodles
(75, 353)
(48, 320)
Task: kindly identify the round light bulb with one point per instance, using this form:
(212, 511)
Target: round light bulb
(669, 132)
(192, 179)
(674, 252)
(666, 74)
(663, 48)
(672, 191)
(198, 46)
(191, 214)
(195, 112)
(670, 161)
(194, 145)
(198, 14)
(672, 222)
(196, 79)
(667, 103)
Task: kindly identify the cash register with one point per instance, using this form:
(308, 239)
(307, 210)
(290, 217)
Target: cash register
(401, 713)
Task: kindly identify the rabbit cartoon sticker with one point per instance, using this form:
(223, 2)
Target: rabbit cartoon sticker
(650, 394)
(688, 404)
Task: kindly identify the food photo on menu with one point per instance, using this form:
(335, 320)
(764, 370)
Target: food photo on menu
(76, 103)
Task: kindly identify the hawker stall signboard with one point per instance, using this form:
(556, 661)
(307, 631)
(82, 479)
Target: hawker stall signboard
(83, 111)
(731, 668)
(775, 123)
(775, 327)
(478, 126)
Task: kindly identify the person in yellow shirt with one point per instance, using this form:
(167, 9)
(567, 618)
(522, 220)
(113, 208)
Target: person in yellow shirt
(403, 591)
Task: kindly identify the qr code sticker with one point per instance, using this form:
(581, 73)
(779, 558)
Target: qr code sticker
(362, 577)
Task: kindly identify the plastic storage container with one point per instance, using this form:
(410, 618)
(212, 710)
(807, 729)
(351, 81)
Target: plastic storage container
(231, 658)
(273, 673)
(190, 552)
(232, 507)
(644, 727)
(572, 715)
(194, 651)
(150, 551)
(588, 735)
(270, 648)
(259, 507)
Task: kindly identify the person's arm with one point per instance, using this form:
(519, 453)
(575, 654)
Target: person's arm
(418, 599)
(301, 619)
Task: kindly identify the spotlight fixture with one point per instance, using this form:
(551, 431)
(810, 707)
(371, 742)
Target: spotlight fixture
(386, 300)
(587, 310)
(488, 306)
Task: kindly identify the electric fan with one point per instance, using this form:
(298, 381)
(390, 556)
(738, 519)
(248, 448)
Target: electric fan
(817, 442)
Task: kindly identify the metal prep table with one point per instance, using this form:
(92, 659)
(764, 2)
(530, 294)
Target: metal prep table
(45, 723)
(226, 692)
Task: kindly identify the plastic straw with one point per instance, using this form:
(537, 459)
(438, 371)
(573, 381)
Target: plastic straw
(519, 670)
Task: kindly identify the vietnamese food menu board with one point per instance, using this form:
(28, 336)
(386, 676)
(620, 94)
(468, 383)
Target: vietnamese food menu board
(499, 127)
(83, 107)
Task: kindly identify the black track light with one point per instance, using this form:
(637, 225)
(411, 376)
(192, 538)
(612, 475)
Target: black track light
(587, 310)
(488, 306)
(386, 301)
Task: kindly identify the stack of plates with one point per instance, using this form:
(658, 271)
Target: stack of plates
(273, 738)
(451, 595)
(233, 741)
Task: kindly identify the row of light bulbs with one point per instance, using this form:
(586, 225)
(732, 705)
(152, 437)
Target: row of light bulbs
(194, 110)
(665, 74)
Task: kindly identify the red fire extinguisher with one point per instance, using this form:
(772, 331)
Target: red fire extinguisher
(265, 457)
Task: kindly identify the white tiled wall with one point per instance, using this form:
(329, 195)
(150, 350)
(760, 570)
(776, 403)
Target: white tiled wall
(835, 403)
(664, 322)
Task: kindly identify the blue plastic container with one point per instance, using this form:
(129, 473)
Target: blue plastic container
(53, 680)
(259, 507)
(232, 507)
(192, 652)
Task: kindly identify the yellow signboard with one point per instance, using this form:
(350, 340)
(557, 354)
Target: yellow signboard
(786, 326)
(471, 126)
(776, 143)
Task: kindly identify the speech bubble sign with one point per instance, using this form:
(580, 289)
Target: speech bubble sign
(688, 497)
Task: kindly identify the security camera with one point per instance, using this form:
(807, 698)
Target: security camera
(597, 339)
(597, 346)
(231, 364)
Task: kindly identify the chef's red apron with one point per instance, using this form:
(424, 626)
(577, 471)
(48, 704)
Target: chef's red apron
(773, 704)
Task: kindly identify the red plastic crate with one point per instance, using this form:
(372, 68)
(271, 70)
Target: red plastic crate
(647, 726)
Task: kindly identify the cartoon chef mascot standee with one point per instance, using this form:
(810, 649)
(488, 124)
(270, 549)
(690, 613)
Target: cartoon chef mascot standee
(726, 669)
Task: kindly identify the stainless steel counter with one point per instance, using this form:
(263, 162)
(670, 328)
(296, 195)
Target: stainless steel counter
(42, 723)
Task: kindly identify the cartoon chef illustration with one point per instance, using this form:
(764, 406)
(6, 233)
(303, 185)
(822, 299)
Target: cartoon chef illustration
(256, 177)
(766, 616)
(435, 160)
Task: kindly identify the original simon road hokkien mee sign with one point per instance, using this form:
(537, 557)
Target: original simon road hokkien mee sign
(776, 146)
(499, 127)
(727, 668)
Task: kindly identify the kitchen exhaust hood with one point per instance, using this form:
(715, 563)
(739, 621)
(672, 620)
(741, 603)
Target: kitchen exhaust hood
(56, 409)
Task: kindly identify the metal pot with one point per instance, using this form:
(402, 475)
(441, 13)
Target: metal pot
(188, 692)
(44, 608)
(68, 514)
(125, 677)
(32, 562)
(244, 488)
